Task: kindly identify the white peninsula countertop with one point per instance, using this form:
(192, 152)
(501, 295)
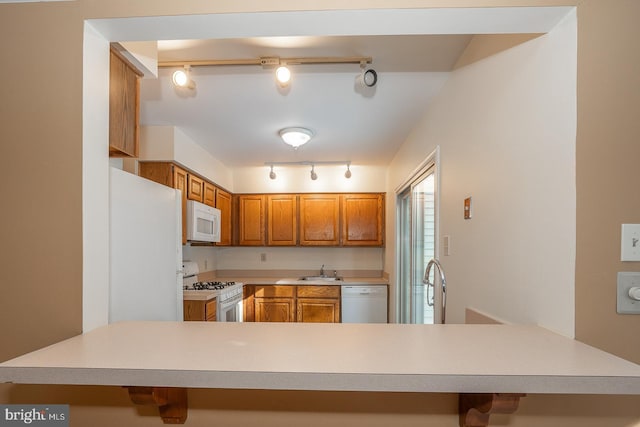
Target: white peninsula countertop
(308, 356)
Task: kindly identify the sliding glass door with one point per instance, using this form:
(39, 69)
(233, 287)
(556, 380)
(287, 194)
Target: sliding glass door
(416, 246)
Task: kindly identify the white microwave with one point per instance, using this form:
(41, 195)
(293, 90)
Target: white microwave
(203, 222)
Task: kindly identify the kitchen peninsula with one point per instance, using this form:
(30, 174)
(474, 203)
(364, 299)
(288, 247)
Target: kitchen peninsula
(499, 361)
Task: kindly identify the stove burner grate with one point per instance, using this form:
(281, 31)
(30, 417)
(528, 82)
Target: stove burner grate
(202, 286)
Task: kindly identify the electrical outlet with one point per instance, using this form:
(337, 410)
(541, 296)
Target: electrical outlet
(630, 242)
(206, 267)
(628, 284)
(263, 257)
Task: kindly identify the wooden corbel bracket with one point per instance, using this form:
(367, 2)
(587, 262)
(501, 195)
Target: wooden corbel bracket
(476, 408)
(171, 401)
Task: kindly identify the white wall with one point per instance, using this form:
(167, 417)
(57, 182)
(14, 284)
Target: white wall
(169, 143)
(299, 258)
(95, 178)
(506, 126)
(296, 179)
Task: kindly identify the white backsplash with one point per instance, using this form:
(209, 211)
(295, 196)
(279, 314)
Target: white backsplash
(286, 258)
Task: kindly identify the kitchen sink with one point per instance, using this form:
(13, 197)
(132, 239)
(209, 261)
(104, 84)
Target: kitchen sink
(321, 278)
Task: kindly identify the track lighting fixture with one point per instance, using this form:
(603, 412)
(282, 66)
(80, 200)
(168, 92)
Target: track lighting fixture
(312, 172)
(182, 78)
(295, 136)
(347, 174)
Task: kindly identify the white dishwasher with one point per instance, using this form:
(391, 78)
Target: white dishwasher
(364, 304)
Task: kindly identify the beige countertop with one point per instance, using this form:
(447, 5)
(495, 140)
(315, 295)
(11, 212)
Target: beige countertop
(206, 295)
(354, 281)
(309, 356)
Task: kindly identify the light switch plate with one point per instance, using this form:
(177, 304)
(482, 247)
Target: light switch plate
(626, 281)
(630, 246)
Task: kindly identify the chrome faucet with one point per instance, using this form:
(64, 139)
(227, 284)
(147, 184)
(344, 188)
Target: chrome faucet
(322, 270)
(426, 281)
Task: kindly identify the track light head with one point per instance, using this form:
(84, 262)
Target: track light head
(314, 175)
(369, 77)
(182, 78)
(347, 174)
(283, 75)
(272, 174)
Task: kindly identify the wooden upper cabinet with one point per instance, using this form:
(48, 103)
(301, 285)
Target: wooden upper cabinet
(282, 220)
(124, 107)
(223, 202)
(209, 194)
(251, 220)
(195, 188)
(362, 219)
(319, 219)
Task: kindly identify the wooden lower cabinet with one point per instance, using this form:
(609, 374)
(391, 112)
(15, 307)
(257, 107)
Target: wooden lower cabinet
(200, 310)
(318, 310)
(274, 310)
(281, 303)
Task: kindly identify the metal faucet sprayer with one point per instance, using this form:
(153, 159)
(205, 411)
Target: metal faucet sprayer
(429, 285)
(322, 270)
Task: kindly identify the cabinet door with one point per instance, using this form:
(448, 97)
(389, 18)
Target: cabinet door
(200, 310)
(211, 310)
(209, 194)
(274, 309)
(318, 310)
(223, 202)
(362, 219)
(124, 107)
(282, 220)
(319, 219)
(251, 220)
(195, 188)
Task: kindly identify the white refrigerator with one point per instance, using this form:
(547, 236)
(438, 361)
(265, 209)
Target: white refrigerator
(145, 249)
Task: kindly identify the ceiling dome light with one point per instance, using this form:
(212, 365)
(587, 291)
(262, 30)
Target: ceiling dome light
(283, 75)
(272, 174)
(314, 175)
(347, 174)
(296, 137)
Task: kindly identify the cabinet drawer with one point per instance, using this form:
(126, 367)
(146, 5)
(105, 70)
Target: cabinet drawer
(312, 291)
(274, 291)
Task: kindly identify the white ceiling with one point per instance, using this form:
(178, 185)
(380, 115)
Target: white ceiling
(236, 112)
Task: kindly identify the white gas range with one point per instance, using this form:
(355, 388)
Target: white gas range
(228, 294)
